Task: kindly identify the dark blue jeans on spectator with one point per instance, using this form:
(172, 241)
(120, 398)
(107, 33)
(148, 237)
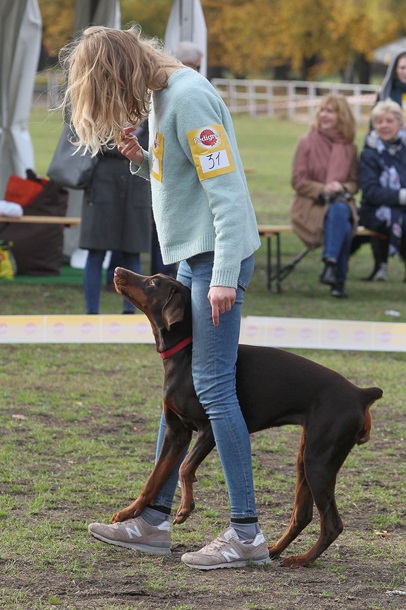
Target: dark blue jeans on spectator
(92, 278)
(338, 237)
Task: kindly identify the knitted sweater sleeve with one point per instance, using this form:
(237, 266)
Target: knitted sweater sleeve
(227, 194)
(142, 171)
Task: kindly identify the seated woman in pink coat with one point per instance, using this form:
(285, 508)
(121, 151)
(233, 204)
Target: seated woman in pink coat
(324, 176)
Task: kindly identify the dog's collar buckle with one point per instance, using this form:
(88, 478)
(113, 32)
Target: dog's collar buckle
(176, 348)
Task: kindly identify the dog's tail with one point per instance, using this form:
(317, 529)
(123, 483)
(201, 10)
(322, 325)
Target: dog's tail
(369, 396)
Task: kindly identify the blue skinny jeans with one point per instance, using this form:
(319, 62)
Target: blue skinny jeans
(92, 278)
(214, 358)
(338, 237)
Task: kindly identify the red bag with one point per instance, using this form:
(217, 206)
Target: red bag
(38, 248)
(23, 191)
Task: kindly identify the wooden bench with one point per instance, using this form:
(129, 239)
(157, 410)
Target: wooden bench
(67, 221)
(276, 231)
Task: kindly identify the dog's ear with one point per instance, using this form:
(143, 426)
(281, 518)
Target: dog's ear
(174, 309)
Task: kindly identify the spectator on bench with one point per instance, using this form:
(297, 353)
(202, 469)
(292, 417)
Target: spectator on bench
(394, 88)
(324, 176)
(382, 176)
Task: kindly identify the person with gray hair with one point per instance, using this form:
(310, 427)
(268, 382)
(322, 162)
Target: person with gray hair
(393, 88)
(189, 54)
(382, 177)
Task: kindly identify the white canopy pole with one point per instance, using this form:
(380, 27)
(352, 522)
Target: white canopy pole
(186, 22)
(20, 46)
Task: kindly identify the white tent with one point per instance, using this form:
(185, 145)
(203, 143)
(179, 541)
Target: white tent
(20, 45)
(186, 22)
(383, 55)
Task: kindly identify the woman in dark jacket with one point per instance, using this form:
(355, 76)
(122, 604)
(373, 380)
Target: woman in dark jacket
(394, 88)
(116, 215)
(382, 176)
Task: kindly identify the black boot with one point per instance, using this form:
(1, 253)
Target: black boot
(338, 291)
(380, 250)
(329, 274)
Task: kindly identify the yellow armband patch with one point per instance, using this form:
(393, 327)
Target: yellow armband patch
(157, 156)
(211, 151)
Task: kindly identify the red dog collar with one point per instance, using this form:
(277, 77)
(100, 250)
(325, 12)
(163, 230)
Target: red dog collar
(175, 348)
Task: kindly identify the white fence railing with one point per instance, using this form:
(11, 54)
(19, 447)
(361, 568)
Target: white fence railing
(294, 100)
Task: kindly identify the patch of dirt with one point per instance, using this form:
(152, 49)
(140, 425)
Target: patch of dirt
(341, 580)
(362, 570)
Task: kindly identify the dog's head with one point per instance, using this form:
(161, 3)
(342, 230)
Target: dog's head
(161, 298)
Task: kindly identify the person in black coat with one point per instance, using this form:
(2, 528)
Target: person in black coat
(382, 176)
(116, 216)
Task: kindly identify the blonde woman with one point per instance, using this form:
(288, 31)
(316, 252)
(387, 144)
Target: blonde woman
(206, 222)
(324, 176)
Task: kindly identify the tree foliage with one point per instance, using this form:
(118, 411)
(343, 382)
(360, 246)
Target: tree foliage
(58, 19)
(57, 23)
(328, 35)
(313, 37)
(152, 15)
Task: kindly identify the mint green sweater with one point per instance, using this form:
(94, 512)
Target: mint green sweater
(192, 215)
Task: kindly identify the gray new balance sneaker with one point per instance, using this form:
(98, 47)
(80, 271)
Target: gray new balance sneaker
(228, 551)
(135, 534)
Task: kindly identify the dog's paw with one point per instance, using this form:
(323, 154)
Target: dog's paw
(122, 515)
(183, 513)
(295, 562)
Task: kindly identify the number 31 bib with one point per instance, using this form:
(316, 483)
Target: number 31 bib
(211, 151)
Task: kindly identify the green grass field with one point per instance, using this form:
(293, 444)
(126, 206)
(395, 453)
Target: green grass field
(78, 426)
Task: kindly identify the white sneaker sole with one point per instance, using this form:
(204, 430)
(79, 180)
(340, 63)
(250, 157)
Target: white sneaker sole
(143, 548)
(230, 564)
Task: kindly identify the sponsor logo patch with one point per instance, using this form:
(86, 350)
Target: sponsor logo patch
(211, 151)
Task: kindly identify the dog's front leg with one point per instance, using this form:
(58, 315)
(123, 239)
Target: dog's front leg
(201, 449)
(176, 439)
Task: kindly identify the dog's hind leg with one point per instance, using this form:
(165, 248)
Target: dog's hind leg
(331, 525)
(303, 508)
(323, 458)
(202, 447)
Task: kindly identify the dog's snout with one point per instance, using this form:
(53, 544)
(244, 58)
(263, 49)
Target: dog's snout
(118, 271)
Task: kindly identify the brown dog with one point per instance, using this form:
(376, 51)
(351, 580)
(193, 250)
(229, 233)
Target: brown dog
(274, 388)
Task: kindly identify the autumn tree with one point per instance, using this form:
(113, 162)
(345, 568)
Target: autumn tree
(314, 38)
(57, 23)
(152, 15)
(58, 19)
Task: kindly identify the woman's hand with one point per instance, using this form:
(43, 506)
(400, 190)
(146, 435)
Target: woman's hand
(333, 187)
(221, 298)
(130, 148)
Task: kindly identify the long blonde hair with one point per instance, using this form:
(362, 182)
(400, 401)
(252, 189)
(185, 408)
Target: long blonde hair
(346, 125)
(110, 76)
